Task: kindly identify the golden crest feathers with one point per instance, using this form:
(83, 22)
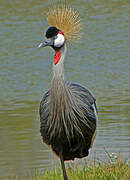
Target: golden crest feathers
(67, 20)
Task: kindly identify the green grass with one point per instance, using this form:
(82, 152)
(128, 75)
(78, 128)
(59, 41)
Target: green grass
(115, 169)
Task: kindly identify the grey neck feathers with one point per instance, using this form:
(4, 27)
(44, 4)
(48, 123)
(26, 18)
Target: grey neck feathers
(58, 69)
(60, 100)
(63, 104)
(58, 84)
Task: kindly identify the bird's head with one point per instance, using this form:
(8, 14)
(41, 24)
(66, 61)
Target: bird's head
(65, 27)
(55, 38)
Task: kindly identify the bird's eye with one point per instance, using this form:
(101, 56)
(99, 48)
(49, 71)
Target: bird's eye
(55, 37)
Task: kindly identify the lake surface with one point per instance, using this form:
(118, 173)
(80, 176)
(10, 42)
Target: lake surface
(100, 61)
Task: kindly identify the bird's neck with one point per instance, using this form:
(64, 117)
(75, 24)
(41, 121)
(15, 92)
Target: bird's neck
(60, 101)
(58, 66)
(58, 84)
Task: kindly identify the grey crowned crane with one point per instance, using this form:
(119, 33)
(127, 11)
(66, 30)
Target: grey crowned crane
(68, 111)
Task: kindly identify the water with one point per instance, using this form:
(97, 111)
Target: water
(100, 61)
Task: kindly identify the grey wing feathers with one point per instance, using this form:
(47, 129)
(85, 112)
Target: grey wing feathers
(44, 103)
(44, 113)
(89, 102)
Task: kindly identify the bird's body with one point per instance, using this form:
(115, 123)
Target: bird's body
(67, 111)
(76, 145)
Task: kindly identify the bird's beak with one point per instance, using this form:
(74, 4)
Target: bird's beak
(48, 42)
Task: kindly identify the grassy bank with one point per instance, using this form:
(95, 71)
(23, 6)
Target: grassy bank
(115, 169)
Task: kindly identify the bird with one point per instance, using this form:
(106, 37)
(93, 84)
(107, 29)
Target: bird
(68, 111)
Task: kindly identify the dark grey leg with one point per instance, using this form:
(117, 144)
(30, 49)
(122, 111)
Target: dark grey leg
(63, 167)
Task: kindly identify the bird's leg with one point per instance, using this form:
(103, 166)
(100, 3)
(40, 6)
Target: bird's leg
(63, 167)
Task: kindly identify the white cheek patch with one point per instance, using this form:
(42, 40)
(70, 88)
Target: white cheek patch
(59, 41)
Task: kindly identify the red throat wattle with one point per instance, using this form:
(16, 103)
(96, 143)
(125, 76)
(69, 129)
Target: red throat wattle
(57, 57)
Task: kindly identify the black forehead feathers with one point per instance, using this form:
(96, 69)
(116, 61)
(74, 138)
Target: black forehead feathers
(51, 31)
